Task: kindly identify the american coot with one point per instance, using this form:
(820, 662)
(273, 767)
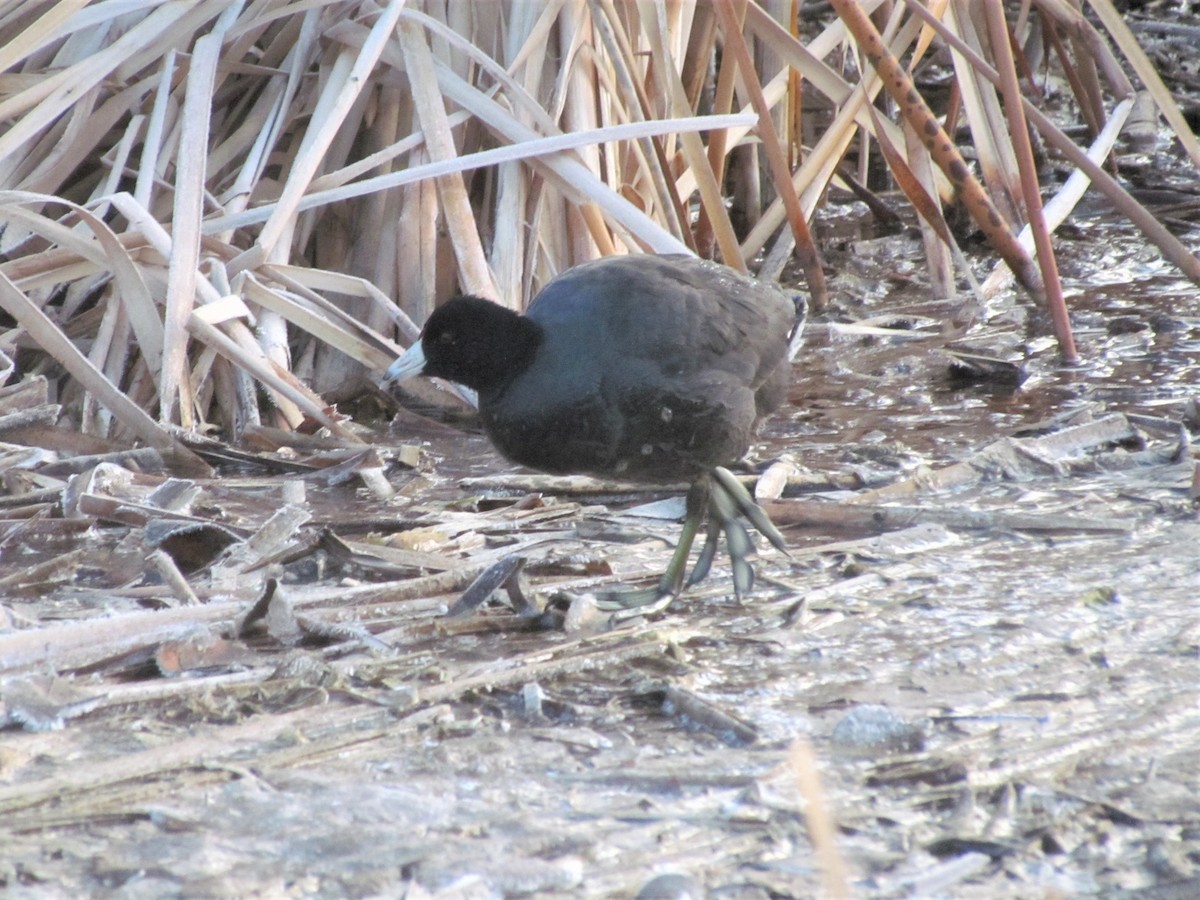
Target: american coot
(641, 368)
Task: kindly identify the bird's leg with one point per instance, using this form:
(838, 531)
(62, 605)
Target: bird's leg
(697, 501)
(671, 582)
(726, 501)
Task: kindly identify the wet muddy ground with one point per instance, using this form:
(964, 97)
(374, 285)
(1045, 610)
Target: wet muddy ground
(982, 661)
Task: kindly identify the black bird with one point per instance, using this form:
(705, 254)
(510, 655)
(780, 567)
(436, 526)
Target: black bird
(641, 368)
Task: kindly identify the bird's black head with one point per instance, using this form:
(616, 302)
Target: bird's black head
(472, 341)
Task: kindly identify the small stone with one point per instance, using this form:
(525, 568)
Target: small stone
(875, 727)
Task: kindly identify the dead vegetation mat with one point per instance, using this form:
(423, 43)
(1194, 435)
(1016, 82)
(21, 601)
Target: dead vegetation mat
(248, 684)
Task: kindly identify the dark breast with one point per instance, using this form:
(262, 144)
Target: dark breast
(651, 368)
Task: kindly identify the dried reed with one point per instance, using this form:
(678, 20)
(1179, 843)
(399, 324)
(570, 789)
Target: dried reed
(205, 203)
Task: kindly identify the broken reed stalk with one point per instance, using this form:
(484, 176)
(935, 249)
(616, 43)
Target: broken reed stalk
(176, 394)
(822, 827)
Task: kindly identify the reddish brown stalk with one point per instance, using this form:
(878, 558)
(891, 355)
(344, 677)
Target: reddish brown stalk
(1027, 168)
(1086, 110)
(1024, 69)
(795, 97)
(953, 107)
